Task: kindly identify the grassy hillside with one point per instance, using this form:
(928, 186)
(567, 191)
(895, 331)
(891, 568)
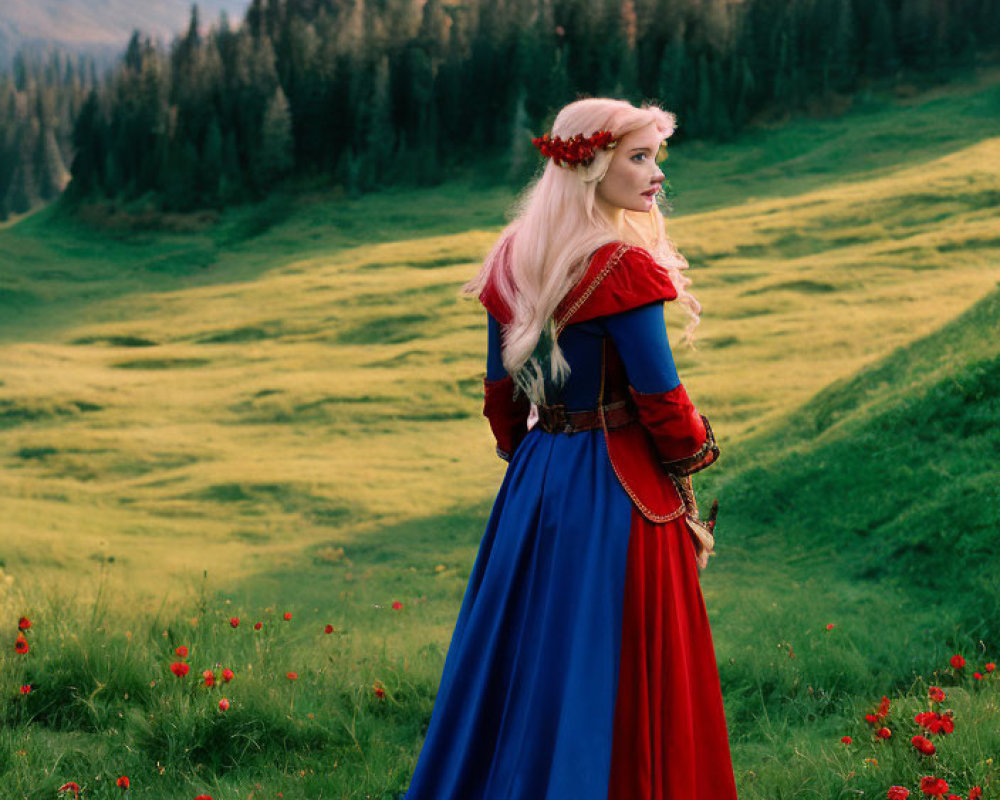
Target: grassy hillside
(278, 408)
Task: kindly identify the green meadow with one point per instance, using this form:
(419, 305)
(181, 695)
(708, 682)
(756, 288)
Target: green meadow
(277, 408)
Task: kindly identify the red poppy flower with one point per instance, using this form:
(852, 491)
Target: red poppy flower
(379, 691)
(936, 694)
(234, 622)
(203, 797)
(182, 651)
(883, 733)
(883, 708)
(71, 786)
(223, 704)
(26, 689)
(23, 624)
(292, 676)
(977, 675)
(227, 675)
(932, 786)
(397, 605)
(829, 626)
(209, 677)
(957, 661)
(975, 793)
(897, 793)
(923, 745)
(846, 739)
(871, 719)
(288, 615)
(21, 644)
(180, 669)
(122, 782)
(990, 666)
(258, 625)
(328, 629)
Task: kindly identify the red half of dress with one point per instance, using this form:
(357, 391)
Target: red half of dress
(670, 738)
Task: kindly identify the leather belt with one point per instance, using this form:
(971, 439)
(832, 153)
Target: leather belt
(556, 419)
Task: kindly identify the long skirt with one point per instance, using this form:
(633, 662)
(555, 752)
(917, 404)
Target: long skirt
(581, 666)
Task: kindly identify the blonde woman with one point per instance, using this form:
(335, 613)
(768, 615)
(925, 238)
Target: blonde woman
(582, 666)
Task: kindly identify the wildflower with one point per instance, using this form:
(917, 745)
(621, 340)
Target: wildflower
(957, 661)
(258, 625)
(872, 761)
(26, 689)
(379, 691)
(234, 622)
(328, 629)
(936, 694)
(223, 704)
(180, 669)
(897, 793)
(227, 675)
(288, 616)
(397, 605)
(977, 675)
(990, 666)
(71, 786)
(883, 733)
(846, 739)
(23, 624)
(934, 722)
(182, 651)
(932, 786)
(203, 797)
(883, 708)
(292, 676)
(923, 745)
(122, 782)
(829, 626)
(975, 793)
(871, 719)
(209, 677)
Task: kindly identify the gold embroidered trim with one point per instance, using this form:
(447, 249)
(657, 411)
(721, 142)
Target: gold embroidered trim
(610, 265)
(646, 511)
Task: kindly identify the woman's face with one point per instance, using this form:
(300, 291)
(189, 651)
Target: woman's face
(633, 177)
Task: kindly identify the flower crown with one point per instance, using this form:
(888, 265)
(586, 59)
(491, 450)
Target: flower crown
(577, 150)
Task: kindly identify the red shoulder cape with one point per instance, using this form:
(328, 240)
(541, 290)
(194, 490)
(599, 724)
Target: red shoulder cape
(619, 277)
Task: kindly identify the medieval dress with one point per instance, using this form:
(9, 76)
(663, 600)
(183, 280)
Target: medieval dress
(582, 666)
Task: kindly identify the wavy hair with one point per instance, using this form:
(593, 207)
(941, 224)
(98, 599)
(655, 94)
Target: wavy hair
(557, 224)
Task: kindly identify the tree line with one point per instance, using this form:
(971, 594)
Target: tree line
(375, 93)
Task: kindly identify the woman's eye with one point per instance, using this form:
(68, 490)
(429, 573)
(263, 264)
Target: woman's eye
(638, 156)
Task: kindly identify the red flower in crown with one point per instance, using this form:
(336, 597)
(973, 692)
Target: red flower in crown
(577, 150)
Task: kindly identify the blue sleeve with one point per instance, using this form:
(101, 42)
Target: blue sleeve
(494, 363)
(640, 336)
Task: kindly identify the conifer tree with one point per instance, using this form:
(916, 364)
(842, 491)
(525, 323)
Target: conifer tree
(275, 157)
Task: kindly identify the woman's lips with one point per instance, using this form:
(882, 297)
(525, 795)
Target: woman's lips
(651, 192)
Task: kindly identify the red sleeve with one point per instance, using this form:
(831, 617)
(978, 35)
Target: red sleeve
(508, 415)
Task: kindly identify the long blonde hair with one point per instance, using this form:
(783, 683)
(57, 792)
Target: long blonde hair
(557, 225)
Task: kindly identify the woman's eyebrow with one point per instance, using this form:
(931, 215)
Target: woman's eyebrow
(642, 149)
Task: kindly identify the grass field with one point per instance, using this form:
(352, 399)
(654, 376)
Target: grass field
(278, 409)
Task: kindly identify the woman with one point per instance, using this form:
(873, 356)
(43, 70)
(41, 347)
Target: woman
(582, 666)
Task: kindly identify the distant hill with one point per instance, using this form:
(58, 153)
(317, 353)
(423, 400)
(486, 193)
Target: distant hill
(100, 26)
(892, 472)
